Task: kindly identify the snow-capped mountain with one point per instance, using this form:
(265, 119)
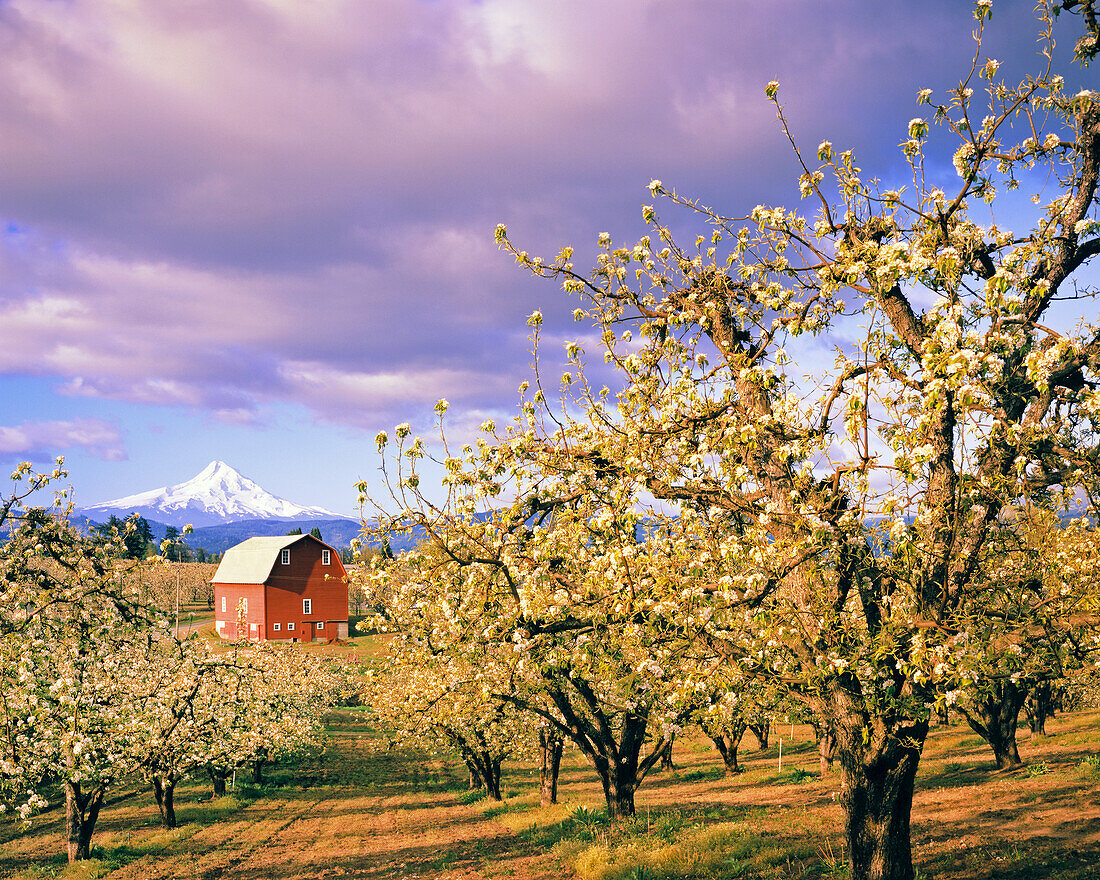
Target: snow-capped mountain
(217, 494)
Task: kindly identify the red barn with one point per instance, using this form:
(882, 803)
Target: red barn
(292, 588)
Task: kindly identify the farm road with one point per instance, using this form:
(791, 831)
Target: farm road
(309, 834)
(336, 836)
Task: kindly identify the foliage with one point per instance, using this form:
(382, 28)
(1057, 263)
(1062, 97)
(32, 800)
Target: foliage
(157, 583)
(443, 705)
(1038, 625)
(94, 688)
(830, 541)
(131, 538)
(536, 607)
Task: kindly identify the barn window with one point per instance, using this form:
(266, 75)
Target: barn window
(286, 556)
(326, 557)
(244, 605)
(278, 627)
(223, 604)
(307, 606)
(320, 624)
(290, 625)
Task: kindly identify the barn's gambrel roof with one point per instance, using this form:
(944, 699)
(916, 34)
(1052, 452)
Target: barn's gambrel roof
(251, 561)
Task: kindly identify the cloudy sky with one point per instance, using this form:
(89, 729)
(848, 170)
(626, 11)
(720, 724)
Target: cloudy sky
(261, 230)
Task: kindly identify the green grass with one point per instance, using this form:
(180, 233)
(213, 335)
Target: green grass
(1089, 768)
(709, 774)
(699, 852)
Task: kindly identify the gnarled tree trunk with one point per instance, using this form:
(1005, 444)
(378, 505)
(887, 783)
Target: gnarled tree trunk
(164, 788)
(620, 765)
(760, 730)
(993, 716)
(476, 781)
(666, 754)
(877, 796)
(1039, 707)
(612, 744)
(483, 764)
(727, 744)
(491, 775)
(484, 772)
(81, 812)
(878, 753)
(618, 791)
(258, 766)
(218, 778)
(550, 750)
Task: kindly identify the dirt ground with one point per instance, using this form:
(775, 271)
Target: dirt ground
(361, 809)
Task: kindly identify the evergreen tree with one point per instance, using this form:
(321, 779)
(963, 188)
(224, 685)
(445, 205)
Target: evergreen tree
(177, 551)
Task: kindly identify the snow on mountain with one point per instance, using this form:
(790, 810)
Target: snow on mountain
(217, 494)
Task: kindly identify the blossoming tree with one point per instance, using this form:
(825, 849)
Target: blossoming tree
(77, 674)
(220, 712)
(841, 520)
(1039, 623)
(95, 690)
(561, 593)
(67, 616)
(441, 703)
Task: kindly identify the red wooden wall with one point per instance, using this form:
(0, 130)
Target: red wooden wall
(226, 621)
(305, 578)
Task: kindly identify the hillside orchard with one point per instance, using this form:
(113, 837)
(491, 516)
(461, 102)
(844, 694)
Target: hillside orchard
(855, 533)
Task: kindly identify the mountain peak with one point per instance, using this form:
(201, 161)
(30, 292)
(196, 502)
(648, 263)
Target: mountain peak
(217, 494)
(213, 468)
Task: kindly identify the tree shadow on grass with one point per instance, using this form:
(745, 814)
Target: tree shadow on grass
(1020, 861)
(422, 860)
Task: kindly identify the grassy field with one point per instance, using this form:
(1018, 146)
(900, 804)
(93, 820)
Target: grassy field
(357, 808)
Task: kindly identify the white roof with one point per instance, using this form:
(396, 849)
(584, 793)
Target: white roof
(251, 561)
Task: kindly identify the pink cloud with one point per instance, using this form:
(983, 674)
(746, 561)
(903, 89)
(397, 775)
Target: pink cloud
(42, 439)
(227, 203)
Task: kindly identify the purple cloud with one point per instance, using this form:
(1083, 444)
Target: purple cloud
(42, 439)
(221, 205)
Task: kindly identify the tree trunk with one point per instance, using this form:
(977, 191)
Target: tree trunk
(550, 749)
(877, 796)
(164, 791)
(994, 716)
(484, 766)
(258, 766)
(619, 770)
(727, 744)
(81, 813)
(878, 754)
(619, 793)
(826, 749)
(492, 778)
(218, 777)
(475, 778)
(760, 731)
(666, 754)
(1039, 708)
(614, 747)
